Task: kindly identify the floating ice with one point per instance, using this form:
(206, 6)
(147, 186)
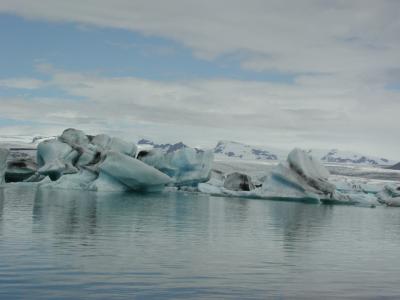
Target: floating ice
(55, 158)
(20, 169)
(3, 163)
(78, 181)
(130, 173)
(187, 166)
(106, 143)
(390, 195)
(103, 163)
(311, 170)
(238, 182)
(301, 177)
(75, 138)
(80, 142)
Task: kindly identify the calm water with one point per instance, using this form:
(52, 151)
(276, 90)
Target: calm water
(79, 245)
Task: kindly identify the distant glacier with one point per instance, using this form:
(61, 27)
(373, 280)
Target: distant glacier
(235, 150)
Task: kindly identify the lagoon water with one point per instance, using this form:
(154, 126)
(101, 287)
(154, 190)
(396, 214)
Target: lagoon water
(81, 245)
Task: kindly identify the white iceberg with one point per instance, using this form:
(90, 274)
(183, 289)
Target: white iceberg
(187, 166)
(3, 163)
(75, 138)
(311, 170)
(106, 143)
(80, 142)
(56, 158)
(20, 169)
(238, 182)
(129, 174)
(390, 195)
(78, 181)
(301, 177)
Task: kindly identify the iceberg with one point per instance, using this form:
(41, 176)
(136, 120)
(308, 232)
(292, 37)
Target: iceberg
(20, 169)
(186, 166)
(80, 142)
(128, 173)
(238, 182)
(3, 163)
(311, 170)
(75, 138)
(106, 143)
(102, 163)
(390, 195)
(78, 181)
(76, 161)
(301, 177)
(56, 158)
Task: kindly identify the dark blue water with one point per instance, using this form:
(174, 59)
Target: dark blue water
(80, 245)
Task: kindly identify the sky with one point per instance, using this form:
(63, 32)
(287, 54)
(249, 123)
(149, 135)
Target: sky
(311, 74)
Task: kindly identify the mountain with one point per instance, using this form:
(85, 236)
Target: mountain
(230, 149)
(235, 150)
(165, 147)
(395, 167)
(348, 157)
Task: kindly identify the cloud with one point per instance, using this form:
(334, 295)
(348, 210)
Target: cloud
(208, 110)
(304, 36)
(343, 55)
(21, 83)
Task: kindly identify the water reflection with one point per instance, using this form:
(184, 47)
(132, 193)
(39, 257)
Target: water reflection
(1, 205)
(79, 212)
(68, 244)
(299, 223)
(65, 212)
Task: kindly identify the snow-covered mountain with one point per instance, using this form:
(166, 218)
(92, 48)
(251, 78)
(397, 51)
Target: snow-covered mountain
(165, 147)
(348, 157)
(230, 149)
(235, 150)
(395, 167)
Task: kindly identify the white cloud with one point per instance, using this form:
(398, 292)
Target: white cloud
(208, 110)
(343, 54)
(296, 36)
